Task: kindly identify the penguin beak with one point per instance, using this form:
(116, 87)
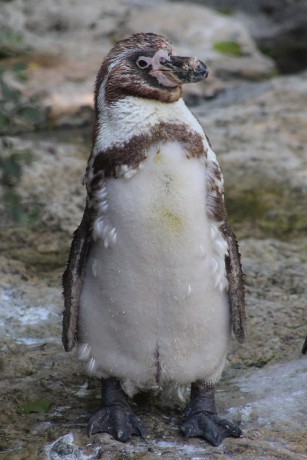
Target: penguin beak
(172, 71)
(182, 70)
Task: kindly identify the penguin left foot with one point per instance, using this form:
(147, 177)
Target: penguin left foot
(202, 419)
(211, 427)
(116, 416)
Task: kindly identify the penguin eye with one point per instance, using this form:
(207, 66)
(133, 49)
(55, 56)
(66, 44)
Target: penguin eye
(142, 63)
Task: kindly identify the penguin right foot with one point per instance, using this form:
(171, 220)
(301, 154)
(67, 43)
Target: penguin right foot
(117, 420)
(116, 416)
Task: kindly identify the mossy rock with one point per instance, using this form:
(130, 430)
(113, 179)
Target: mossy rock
(11, 42)
(271, 210)
(228, 47)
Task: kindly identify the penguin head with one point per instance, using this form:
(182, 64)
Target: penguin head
(146, 66)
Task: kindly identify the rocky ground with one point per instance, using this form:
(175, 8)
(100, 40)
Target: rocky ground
(256, 121)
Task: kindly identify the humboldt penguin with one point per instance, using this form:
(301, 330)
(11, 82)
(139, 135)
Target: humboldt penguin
(154, 284)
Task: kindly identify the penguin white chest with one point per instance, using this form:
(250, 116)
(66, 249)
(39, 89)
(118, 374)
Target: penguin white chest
(150, 310)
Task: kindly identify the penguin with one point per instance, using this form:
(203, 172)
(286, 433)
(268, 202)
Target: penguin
(154, 284)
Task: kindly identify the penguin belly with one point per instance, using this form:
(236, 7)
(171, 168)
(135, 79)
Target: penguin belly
(152, 311)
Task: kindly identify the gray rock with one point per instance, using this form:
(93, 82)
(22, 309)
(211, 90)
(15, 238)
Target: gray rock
(259, 134)
(201, 30)
(66, 45)
(278, 27)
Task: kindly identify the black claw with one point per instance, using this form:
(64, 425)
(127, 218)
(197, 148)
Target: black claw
(98, 422)
(119, 421)
(229, 427)
(138, 428)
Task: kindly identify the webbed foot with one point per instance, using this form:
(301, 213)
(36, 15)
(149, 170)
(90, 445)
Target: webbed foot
(117, 420)
(202, 419)
(116, 416)
(211, 427)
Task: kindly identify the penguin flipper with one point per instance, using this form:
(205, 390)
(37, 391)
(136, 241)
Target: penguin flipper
(236, 283)
(304, 349)
(217, 212)
(72, 280)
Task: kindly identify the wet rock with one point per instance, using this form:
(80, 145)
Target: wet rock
(64, 448)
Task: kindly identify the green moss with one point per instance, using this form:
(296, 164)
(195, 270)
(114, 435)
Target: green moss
(40, 406)
(16, 114)
(231, 48)
(32, 244)
(271, 210)
(41, 263)
(225, 11)
(11, 43)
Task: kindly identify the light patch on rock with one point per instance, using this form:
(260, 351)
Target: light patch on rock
(64, 448)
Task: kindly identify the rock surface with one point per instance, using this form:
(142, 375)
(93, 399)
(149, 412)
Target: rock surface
(259, 134)
(61, 74)
(279, 27)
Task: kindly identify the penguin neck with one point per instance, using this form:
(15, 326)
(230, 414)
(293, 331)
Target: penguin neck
(132, 116)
